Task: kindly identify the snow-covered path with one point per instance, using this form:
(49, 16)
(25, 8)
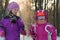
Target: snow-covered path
(29, 38)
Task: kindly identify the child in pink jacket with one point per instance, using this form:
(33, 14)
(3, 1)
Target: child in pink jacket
(42, 30)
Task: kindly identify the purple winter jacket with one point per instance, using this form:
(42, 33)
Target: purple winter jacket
(38, 32)
(13, 30)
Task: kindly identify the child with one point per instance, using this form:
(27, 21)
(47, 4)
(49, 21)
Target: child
(12, 23)
(42, 30)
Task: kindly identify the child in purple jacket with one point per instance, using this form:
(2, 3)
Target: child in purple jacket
(42, 30)
(12, 23)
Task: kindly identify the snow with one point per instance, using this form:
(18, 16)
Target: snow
(29, 38)
(26, 38)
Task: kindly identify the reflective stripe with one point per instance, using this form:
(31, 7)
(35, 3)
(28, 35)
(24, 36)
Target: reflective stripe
(41, 17)
(49, 33)
(34, 26)
(46, 28)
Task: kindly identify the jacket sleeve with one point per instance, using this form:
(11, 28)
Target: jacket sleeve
(2, 31)
(53, 32)
(32, 32)
(21, 27)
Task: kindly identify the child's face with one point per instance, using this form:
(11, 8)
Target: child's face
(14, 11)
(41, 20)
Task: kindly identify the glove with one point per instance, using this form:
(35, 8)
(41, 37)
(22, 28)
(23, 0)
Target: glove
(2, 33)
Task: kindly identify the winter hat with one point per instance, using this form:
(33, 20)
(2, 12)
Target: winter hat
(12, 5)
(41, 14)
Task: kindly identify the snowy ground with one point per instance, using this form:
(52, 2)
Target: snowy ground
(29, 38)
(58, 38)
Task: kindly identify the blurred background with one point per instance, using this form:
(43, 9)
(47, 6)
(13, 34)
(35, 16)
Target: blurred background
(29, 7)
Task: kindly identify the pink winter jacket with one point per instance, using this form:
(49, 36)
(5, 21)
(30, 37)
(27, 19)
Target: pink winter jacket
(39, 32)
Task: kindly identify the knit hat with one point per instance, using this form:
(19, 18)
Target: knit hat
(12, 5)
